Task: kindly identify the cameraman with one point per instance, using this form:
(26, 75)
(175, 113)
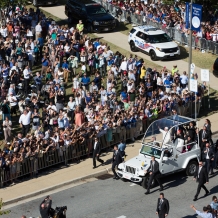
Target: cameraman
(45, 207)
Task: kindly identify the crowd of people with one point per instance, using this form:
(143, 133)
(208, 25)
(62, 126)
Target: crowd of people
(109, 93)
(171, 16)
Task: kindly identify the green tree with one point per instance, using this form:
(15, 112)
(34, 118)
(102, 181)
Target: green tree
(3, 212)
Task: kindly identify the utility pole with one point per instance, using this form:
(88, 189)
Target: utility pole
(190, 41)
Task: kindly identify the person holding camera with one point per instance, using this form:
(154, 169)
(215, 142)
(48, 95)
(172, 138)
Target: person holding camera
(45, 207)
(13, 103)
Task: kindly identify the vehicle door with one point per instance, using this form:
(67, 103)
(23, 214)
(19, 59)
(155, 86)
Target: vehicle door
(182, 155)
(76, 11)
(139, 40)
(167, 161)
(71, 9)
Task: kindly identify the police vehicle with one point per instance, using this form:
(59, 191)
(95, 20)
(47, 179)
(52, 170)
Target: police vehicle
(153, 41)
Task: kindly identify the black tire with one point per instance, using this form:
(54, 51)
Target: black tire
(153, 55)
(90, 28)
(145, 180)
(35, 2)
(132, 46)
(191, 168)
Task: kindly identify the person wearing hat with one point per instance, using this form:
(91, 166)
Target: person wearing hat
(80, 27)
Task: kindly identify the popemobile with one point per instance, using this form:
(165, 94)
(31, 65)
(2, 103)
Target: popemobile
(173, 153)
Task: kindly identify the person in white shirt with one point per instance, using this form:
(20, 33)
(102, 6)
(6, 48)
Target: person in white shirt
(38, 30)
(4, 32)
(166, 135)
(24, 121)
(13, 103)
(184, 80)
(123, 66)
(26, 74)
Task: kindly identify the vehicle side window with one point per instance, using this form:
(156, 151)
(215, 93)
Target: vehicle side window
(140, 35)
(146, 38)
(132, 30)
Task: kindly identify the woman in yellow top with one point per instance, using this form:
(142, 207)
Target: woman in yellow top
(143, 72)
(80, 26)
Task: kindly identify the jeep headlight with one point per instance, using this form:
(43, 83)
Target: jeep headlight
(160, 49)
(95, 23)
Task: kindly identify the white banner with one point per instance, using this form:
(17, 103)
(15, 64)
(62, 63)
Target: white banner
(205, 75)
(193, 85)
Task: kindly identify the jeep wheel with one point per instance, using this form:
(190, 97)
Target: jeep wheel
(132, 46)
(191, 168)
(145, 182)
(153, 55)
(35, 2)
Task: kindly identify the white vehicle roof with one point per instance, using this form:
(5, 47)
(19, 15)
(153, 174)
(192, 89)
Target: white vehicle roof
(150, 30)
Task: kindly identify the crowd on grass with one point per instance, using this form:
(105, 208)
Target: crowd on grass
(82, 90)
(171, 16)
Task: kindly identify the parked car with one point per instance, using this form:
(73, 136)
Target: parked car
(95, 17)
(44, 2)
(215, 68)
(172, 155)
(152, 41)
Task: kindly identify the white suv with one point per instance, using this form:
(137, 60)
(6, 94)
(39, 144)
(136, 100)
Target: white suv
(152, 41)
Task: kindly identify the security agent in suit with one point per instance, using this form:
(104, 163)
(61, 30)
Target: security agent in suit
(163, 206)
(45, 207)
(154, 173)
(204, 137)
(117, 159)
(201, 176)
(208, 158)
(96, 153)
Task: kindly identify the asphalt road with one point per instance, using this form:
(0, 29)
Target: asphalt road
(112, 199)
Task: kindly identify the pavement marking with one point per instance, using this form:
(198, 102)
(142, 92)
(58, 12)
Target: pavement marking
(121, 216)
(132, 184)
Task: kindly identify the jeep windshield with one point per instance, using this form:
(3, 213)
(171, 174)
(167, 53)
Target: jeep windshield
(161, 38)
(95, 10)
(150, 151)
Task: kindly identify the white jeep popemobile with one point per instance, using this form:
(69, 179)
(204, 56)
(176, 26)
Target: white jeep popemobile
(172, 154)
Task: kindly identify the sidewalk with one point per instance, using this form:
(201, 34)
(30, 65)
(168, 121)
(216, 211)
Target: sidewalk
(61, 178)
(121, 40)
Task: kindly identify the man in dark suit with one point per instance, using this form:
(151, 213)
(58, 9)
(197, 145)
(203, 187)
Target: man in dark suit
(96, 153)
(154, 173)
(163, 206)
(117, 159)
(201, 177)
(208, 158)
(204, 137)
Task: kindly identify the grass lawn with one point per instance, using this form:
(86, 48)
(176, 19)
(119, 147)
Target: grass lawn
(202, 60)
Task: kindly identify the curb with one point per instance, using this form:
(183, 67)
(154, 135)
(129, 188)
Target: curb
(73, 181)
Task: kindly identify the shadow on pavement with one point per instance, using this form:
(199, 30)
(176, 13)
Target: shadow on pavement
(190, 216)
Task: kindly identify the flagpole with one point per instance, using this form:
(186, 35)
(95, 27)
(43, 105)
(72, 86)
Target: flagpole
(190, 42)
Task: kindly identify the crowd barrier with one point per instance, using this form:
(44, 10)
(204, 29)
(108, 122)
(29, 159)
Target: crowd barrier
(31, 165)
(180, 37)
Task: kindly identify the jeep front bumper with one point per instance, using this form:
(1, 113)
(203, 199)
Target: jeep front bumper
(129, 176)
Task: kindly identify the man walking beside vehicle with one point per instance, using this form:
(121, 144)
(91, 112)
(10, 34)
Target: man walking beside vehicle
(116, 160)
(201, 176)
(154, 173)
(163, 206)
(96, 153)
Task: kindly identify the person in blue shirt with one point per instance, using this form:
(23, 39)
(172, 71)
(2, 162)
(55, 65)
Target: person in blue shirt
(122, 147)
(45, 64)
(85, 81)
(214, 203)
(96, 43)
(38, 81)
(123, 96)
(41, 44)
(88, 98)
(167, 84)
(61, 122)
